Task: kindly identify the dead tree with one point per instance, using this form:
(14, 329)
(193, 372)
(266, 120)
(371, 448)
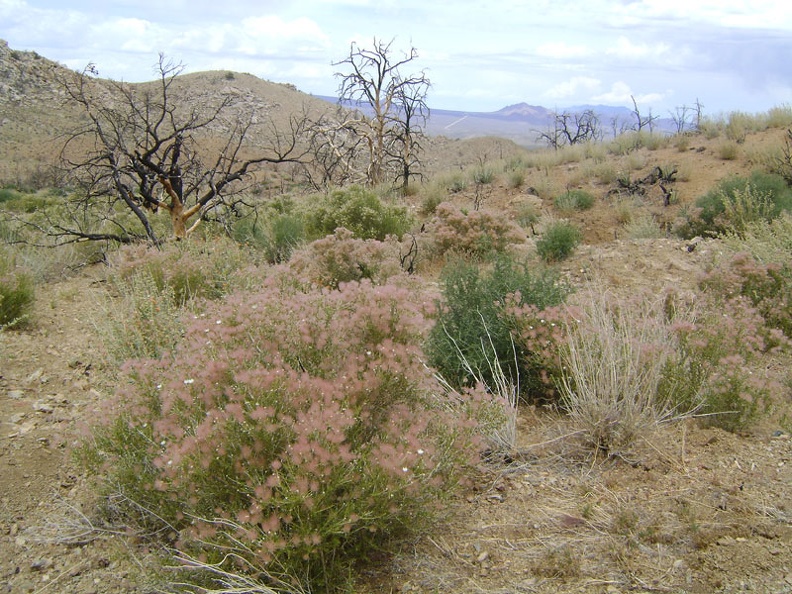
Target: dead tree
(143, 149)
(406, 134)
(573, 128)
(373, 82)
(681, 117)
(658, 176)
(642, 121)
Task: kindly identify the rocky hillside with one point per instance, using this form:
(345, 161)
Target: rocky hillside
(35, 116)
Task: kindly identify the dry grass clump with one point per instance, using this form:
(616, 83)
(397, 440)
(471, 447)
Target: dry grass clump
(613, 363)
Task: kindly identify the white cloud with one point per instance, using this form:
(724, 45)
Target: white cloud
(561, 50)
(764, 14)
(573, 87)
(273, 26)
(621, 94)
(624, 49)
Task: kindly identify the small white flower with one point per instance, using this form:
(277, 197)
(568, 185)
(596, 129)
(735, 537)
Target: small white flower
(159, 386)
(187, 382)
(219, 322)
(420, 452)
(405, 469)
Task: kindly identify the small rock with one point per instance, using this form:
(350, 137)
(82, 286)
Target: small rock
(15, 394)
(40, 564)
(35, 375)
(43, 407)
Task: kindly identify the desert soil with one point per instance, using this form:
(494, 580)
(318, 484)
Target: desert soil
(687, 509)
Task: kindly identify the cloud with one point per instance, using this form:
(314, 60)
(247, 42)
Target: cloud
(561, 50)
(624, 49)
(763, 14)
(574, 86)
(621, 94)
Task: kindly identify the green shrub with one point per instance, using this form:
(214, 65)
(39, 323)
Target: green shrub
(574, 200)
(433, 196)
(360, 211)
(494, 313)
(277, 236)
(8, 194)
(483, 175)
(558, 241)
(289, 435)
(516, 178)
(750, 193)
(17, 294)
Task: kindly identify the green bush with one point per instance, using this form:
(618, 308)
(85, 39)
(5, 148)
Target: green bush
(8, 194)
(483, 176)
(484, 315)
(574, 200)
(277, 237)
(16, 300)
(360, 211)
(711, 218)
(558, 241)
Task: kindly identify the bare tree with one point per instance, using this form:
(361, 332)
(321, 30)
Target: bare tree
(406, 134)
(573, 128)
(373, 81)
(699, 109)
(141, 149)
(642, 121)
(681, 117)
(336, 149)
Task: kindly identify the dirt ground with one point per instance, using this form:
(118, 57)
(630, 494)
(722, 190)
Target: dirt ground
(686, 510)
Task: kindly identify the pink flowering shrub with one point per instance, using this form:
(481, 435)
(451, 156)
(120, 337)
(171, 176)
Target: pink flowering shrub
(712, 371)
(292, 431)
(475, 233)
(340, 258)
(195, 269)
(767, 286)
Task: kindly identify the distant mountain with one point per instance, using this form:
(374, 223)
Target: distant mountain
(522, 123)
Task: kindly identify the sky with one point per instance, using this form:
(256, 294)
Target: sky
(728, 55)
